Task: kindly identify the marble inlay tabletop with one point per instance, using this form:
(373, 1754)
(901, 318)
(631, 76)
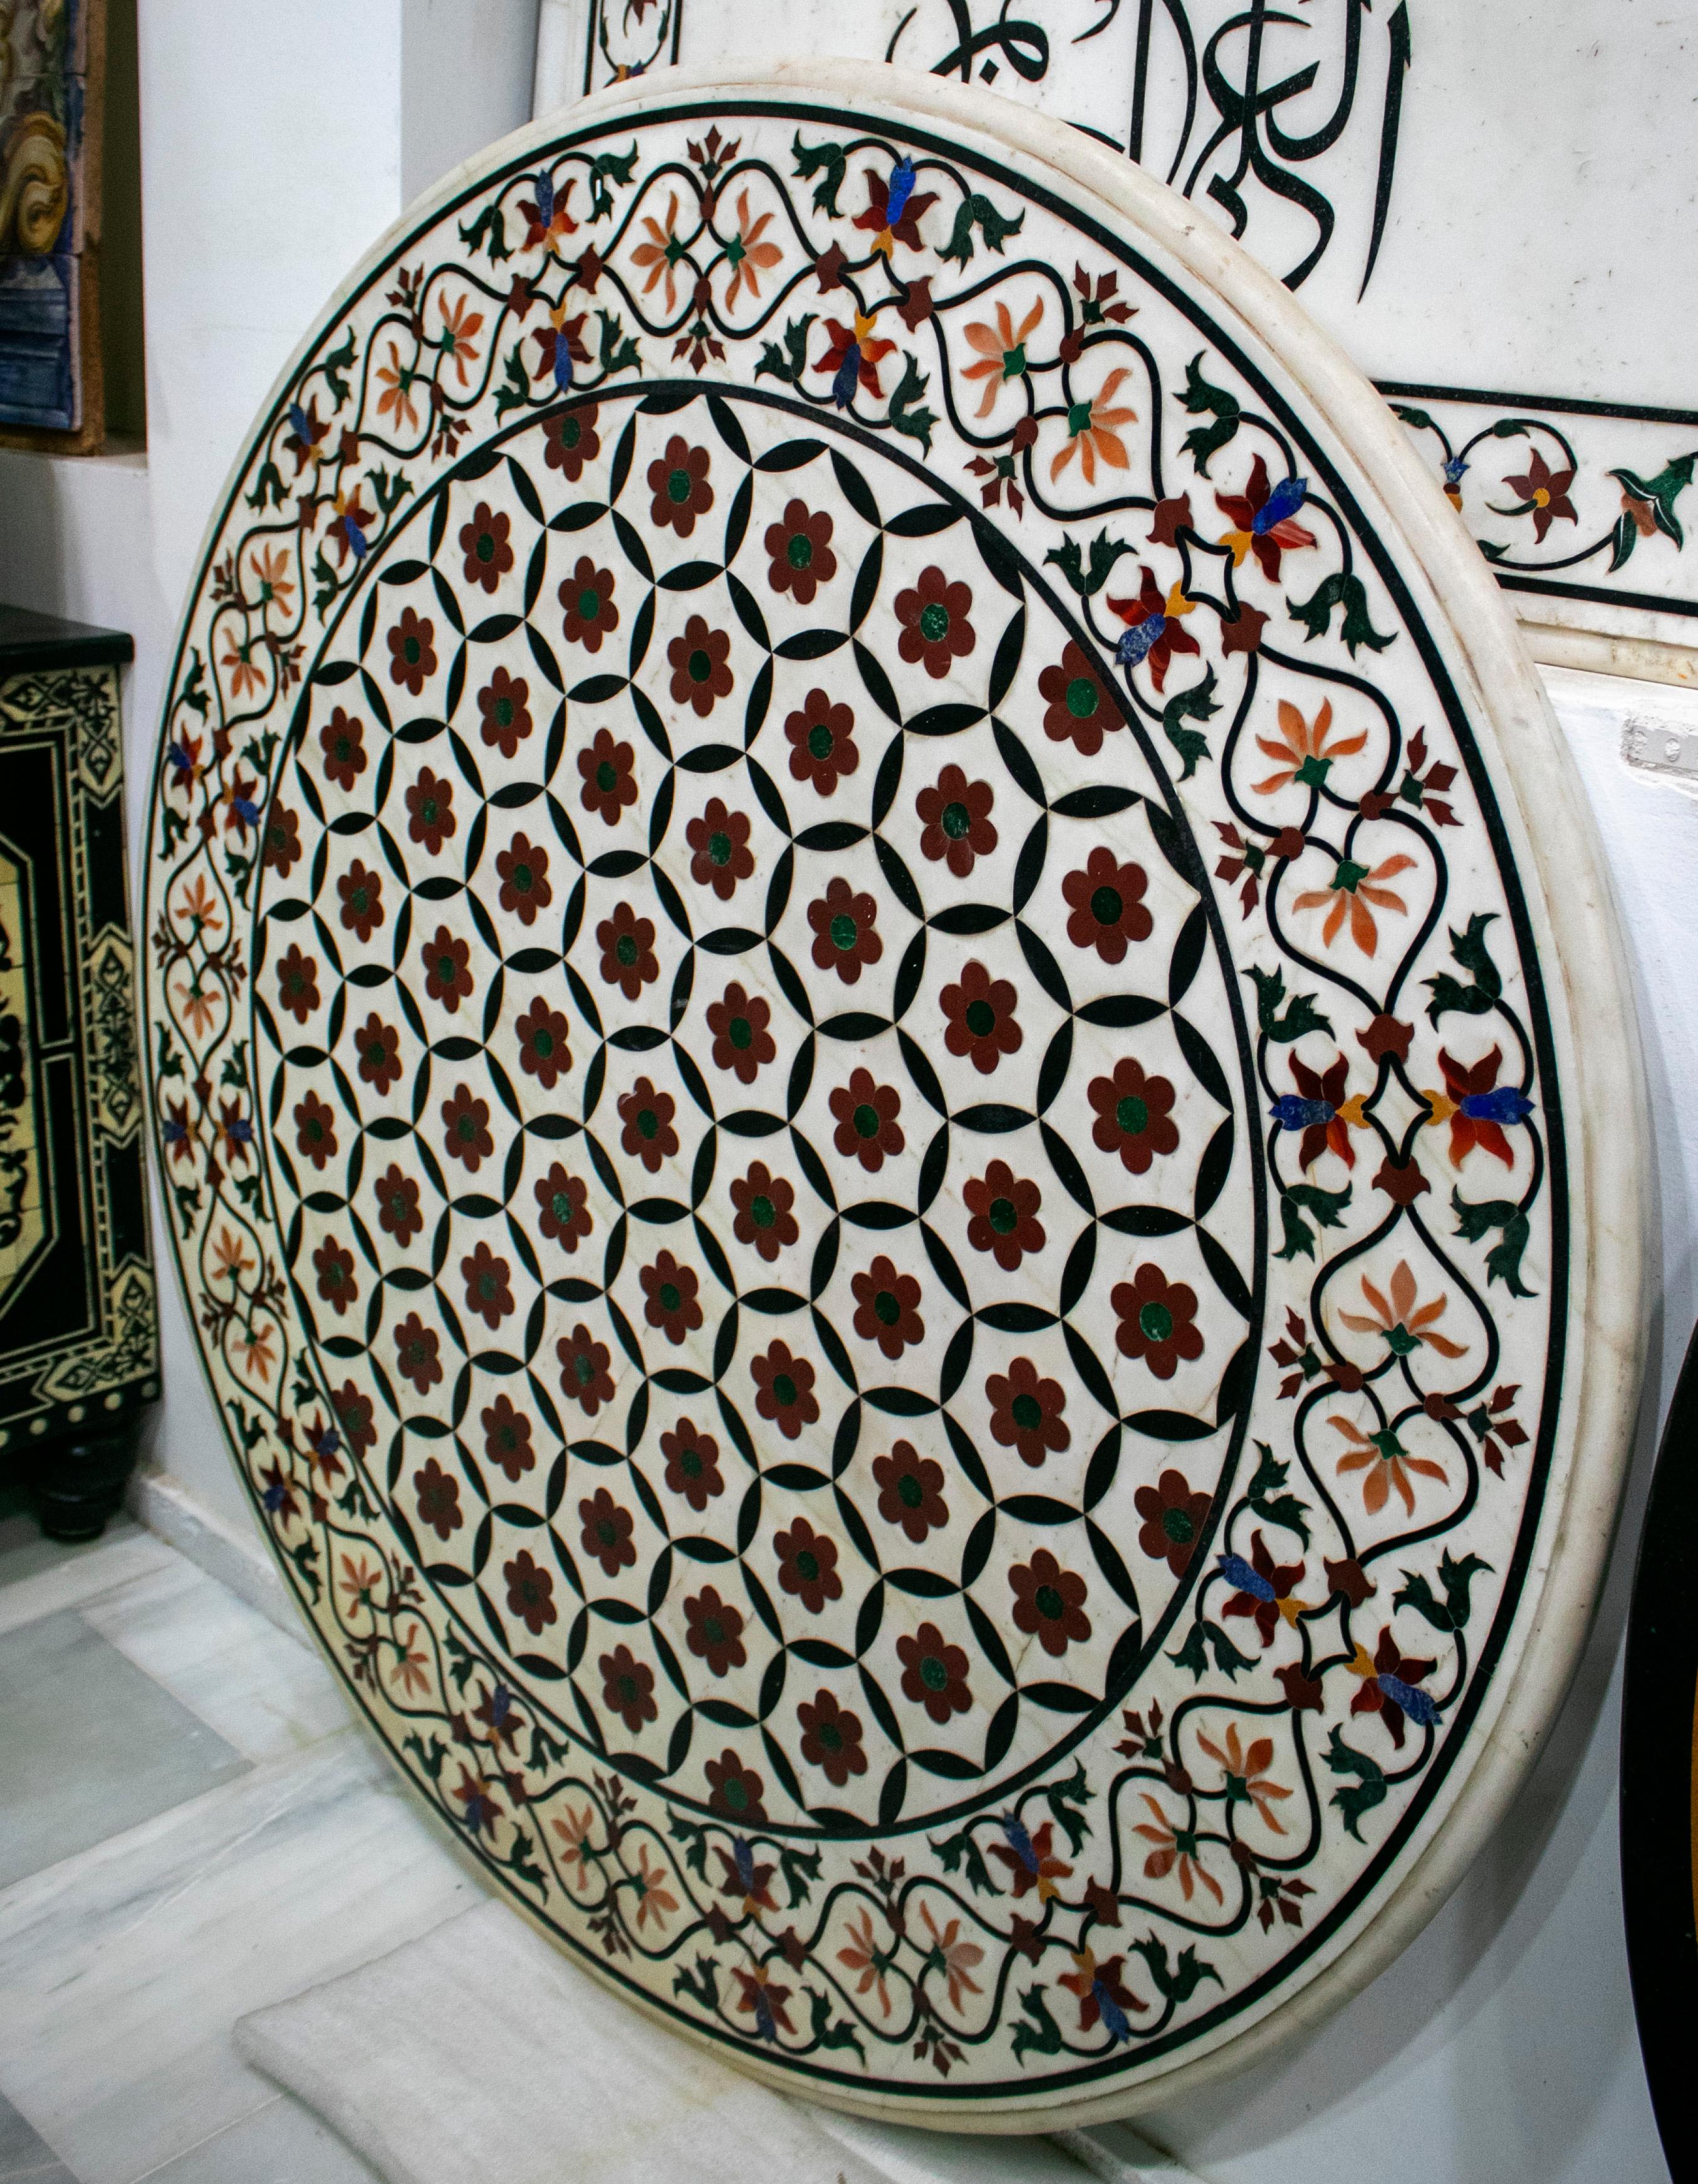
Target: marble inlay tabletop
(894, 1091)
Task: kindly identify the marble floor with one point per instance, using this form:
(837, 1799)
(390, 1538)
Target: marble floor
(190, 1827)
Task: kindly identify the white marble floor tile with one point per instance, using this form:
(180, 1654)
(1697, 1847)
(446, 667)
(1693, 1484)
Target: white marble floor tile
(281, 2143)
(123, 1970)
(265, 1693)
(33, 1584)
(26, 2157)
(93, 1745)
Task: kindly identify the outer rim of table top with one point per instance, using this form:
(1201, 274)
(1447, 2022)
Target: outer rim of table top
(1575, 927)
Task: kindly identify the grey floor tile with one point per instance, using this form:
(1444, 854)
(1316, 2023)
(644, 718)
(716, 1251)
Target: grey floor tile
(281, 2143)
(25, 1549)
(92, 1744)
(26, 2157)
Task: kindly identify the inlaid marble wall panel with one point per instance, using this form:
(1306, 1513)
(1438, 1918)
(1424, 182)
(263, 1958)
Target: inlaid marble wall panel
(1492, 210)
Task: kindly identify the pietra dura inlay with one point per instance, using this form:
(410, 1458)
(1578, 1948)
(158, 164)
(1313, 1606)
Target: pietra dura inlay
(902, 1293)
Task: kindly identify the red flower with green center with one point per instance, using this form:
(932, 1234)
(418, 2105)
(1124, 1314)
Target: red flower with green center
(507, 1439)
(1134, 1116)
(298, 983)
(564, 1217)
(1004, 1215)
(1048, 1603)
(800, 552)
(865, 1113)
(607, 1530)
(315, 1130)
(465, 1129)
(979, 1017)
(1157, 1320)
(354, 1414)
(627, 942)
(333, 1264)
(586, 595)
(398, 1206)
(714, 1631)
(609, 785)
(281, 840)
(529, 1593)
(784, 1389)
(700, 664)
(416, 1358)
(506, 715)
(845, 935)
(910, 1490)
(1025, 1412)
(808, 1565)
(692, 1464)
(522, 868)
(719, 853)
(412, 651)
(762, 1203)
(485, 543)
(821, 740)
(584, 1377)
(570, 441)
(378, 1045)
(543, 1053)
(935, 628)
(343, 741)
(627, 1688)
(671, 1303)
(734, 1789)
(888, 1307)
(1078, 708)
(438, 1500)
(488, 1286)
(362, 900)
(678, 480)
(832, 1739)
(934, 1673)
(1173, 1520)
(1106, 901)
(448, 978)
(741, 1040)
(955, 817)
(647, 1116)
(430, 810)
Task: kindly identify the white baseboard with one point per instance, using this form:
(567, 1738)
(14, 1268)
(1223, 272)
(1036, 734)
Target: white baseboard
(158, 1498)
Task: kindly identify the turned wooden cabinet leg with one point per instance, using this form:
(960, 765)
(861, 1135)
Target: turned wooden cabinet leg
(80, 1483)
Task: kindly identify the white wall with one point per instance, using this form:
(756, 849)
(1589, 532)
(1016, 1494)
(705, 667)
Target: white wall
(277, 143)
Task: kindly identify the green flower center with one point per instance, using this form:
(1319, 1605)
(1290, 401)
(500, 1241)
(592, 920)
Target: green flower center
(1399, 1341)
(375, 1056)
(713, 1630)
(502, 710)
(1348, 875)
(741, 1034)
(935, 621)
(584, 1366)
(1156, 1321)
(410, 650)
(866, 1120)
(1083, 697)
(589, 604)
(783, 1390)
(762, 1212)
(671, 1297)
(427, 811)
(844, 931)
(735, 1791)
(799, 552)
(886, 1308)
(625, 949)
(1014, 361)
(648, 1124)
(485, 548)
(829, 1735)
(542, 1043)
(678, 487)
(690, 1463)
(909, 1491)
(1078, 418)
(808, 1568)
(560, 1205)
(446, 970)
(719, 849)
(1050, 1604)
(571, 432)
(933, 1675)
(607, 776)
(981, 1018)
(1133, 1115)
(487, 1286)
(523, 879)
(819, 741)
(1026, 1411)
(1004, 1217)
(465, 1127)
(1178, 1527)
(698, 665)
(1313, 772)
(957, 822)
(1108, 905)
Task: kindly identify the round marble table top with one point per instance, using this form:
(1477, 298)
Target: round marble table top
(890, 1082)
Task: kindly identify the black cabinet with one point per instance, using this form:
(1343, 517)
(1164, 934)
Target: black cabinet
(79, 1331)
